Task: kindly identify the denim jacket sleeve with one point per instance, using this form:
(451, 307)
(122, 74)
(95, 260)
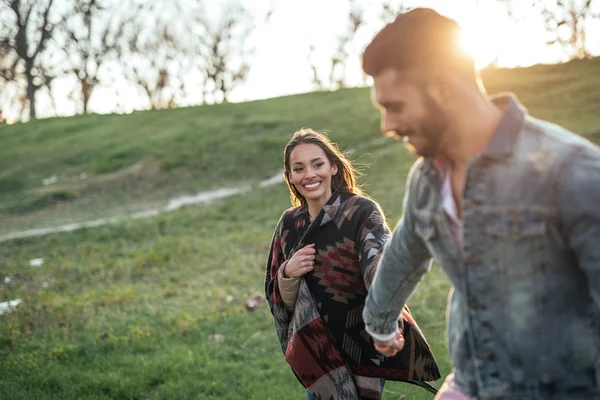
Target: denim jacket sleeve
(579, 202)
(404, 261)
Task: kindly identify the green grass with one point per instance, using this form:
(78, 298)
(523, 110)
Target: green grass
(119, 164)
(127, 311)
(154, 308)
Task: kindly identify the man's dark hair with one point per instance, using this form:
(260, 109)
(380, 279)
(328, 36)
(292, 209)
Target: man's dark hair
(417, 38)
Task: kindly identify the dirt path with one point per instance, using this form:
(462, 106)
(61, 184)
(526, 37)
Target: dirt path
(173, 204)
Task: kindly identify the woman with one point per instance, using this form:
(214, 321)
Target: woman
(322, 261)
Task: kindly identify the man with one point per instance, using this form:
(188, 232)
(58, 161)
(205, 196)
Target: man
(508, 206)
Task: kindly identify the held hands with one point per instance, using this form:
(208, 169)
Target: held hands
(302, 261)
(390, 348)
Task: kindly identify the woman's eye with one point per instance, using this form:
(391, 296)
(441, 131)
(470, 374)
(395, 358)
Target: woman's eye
(297, 169)
(319, 165)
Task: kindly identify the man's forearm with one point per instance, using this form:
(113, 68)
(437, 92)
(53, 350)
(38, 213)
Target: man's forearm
(403, 263)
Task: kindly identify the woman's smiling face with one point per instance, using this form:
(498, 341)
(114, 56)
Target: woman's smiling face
(311, 172)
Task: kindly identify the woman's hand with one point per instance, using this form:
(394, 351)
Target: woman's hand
(302, 261)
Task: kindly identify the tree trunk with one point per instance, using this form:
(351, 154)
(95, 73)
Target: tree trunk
(30, 90)
(86, 93)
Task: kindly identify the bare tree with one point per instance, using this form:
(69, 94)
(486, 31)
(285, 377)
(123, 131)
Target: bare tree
(390, 9)
(13, 94)
(338, 63)
(224, 51)
(4, 74)
(153, 62)
(92, 36)
(566, 20)
(8, 57)
(347, 46)
(316, 80)
(28, 36)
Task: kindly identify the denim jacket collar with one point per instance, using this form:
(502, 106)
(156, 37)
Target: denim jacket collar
(504, 137)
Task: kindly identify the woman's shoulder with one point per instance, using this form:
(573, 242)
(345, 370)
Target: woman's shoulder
(292, 212)
(370, 212)
(367, 203)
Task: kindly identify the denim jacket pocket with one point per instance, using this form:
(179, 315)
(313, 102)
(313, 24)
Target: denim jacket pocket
(517, 245)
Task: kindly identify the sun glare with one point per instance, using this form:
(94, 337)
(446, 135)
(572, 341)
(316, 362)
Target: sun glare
(481, 43)
(489, 34)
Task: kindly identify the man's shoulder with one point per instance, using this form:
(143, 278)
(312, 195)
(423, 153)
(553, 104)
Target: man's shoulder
(416, 169)
(556, 141)
(420, 190)
(417, 173)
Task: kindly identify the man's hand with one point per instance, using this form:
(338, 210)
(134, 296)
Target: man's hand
(390, 348)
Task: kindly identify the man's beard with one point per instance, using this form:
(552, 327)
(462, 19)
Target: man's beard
(431, 130)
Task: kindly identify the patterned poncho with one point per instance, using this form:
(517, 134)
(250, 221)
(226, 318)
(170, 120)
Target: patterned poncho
(324, 338)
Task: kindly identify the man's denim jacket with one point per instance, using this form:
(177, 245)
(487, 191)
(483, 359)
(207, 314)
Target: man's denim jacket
(524, 313)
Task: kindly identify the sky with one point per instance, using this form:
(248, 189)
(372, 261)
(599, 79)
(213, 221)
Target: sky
(279, 65)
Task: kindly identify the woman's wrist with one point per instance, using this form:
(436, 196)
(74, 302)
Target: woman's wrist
(283, 274)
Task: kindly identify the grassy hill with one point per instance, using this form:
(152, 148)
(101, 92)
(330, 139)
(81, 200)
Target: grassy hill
(107, 165)
(155, 308)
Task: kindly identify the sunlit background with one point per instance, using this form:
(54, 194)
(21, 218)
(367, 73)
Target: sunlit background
(133, 247)
(289, 42)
